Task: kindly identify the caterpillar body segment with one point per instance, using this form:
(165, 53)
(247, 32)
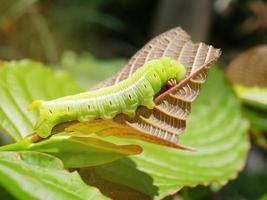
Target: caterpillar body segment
(106, 103)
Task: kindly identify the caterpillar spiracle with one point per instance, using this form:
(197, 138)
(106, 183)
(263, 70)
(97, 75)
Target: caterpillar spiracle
(106, 103)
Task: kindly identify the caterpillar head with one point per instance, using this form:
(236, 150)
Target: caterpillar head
(179, 70)
(173, 68)
(44, 124)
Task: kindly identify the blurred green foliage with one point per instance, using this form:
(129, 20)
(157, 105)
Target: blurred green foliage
(104, 27)
(88, 70)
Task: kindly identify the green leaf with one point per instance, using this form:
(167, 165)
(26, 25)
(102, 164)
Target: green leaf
(77, 151)
(253, 96)
(20, 83)
(258, 120)
(37, 82)
(33, 175)
(82, 151)
(264, 197)
(83, 66)
(215, 128)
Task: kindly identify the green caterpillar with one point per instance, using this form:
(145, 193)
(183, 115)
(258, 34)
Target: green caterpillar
(105, 103)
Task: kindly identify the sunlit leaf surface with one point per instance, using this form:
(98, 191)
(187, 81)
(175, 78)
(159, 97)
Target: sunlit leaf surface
(81, 151)
(23, 81)
(76, 150)
(20, 83)
(215, 128)
(33, 175)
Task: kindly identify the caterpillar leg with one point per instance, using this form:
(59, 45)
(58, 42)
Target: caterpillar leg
(86, 118)
(150, 105)
(108, 116)
(45, 129)
(130, 113)
(171, 83)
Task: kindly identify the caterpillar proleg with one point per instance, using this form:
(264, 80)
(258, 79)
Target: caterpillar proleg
(106, 103)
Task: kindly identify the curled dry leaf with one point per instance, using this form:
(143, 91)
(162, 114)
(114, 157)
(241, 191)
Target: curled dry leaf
(248, 73)
(249, 68)
(166, 122)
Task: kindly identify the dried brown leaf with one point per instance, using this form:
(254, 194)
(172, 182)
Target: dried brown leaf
(249, 68)
(167, 120)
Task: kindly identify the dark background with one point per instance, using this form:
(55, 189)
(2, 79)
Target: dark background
(43, 30)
